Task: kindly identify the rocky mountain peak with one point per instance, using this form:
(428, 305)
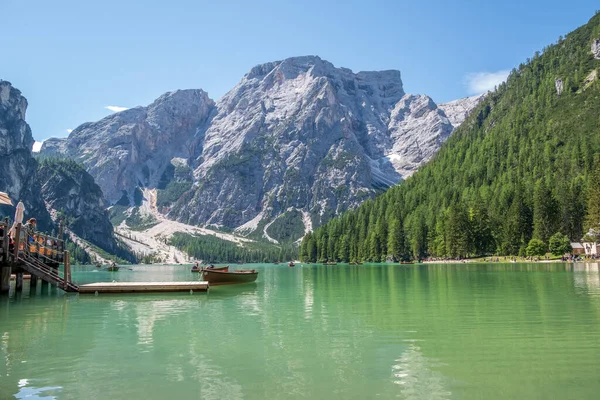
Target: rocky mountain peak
(18, 169)
(15, 133)
(458, 110)
(134, 148)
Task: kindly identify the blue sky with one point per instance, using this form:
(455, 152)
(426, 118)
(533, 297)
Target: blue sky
(73, 59)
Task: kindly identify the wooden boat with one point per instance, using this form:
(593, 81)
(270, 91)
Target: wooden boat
(291, 264)
(331, 263)
(226, 268)
(407, 262)
(228, 278)
(113, 268)
(276, 263)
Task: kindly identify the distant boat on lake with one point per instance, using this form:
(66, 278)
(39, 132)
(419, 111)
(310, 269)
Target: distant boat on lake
(291, 264)
(113, 267)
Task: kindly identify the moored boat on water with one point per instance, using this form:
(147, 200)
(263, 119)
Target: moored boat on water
(291, 264)
(220, 277)
(113, 267)
(197, 269)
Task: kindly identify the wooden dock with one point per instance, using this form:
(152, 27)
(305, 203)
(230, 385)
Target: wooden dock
(143, 287)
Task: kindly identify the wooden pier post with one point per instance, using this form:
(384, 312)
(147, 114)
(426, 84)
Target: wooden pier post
(19, 281)
(67, 264)
(5, 242)
(5, 260)
(4, 279)
(17, 243)
(61, 228)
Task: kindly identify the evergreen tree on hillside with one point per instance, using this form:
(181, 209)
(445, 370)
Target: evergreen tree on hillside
(593, 203)
(545, 212)
(521, 166)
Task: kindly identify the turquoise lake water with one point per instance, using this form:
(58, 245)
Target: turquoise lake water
(437, 331)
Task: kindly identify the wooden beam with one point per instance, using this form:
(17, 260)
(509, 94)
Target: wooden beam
(17, 243)
(143, 287)
(67, 269)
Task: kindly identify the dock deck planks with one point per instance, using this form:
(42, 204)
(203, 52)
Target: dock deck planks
(143, 287)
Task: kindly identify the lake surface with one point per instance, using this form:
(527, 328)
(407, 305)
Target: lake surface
(470, 331)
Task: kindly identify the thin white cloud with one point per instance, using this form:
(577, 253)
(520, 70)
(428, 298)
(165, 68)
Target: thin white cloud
(116, 108)
(481, 82)
(69, 130)
(37, 146)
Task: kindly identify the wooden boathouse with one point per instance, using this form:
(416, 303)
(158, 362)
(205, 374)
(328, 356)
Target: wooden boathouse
(40, 256)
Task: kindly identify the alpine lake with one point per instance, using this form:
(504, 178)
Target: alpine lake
(371, 331)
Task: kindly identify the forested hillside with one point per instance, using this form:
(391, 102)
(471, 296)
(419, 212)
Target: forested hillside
(520, 167)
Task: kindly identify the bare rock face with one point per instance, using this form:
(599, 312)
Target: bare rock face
(297, 136)
(54, 147)
(18, 168)
(458, 110)
(418, 127)
(133, 148)
(596, 49)
(559, 84)
(69, 189)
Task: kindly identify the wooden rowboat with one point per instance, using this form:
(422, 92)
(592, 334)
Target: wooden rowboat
(194, 269)
(113, 268)
(227, 278)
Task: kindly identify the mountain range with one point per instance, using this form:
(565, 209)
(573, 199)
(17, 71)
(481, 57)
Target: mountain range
(293, 144)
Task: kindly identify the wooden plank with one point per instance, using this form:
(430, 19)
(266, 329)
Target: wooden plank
(143, 287)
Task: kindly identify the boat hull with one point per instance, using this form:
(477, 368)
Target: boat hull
(228, 278)
(213, 269)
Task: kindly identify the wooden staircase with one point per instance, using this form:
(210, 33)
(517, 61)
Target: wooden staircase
(36, 267)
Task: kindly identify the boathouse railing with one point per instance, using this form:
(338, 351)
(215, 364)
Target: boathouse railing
(40, 252)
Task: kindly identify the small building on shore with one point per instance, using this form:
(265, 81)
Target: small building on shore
(585, 248)
(577, 248)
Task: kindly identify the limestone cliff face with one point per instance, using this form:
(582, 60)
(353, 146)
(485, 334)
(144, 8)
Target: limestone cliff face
(596, 48)
(134, 148)
(297, 136)
(18, 168)
(61, 186)
(417, 127)
(458, 110)
(71, 191)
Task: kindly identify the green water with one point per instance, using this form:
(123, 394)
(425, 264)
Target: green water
(513, 331)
